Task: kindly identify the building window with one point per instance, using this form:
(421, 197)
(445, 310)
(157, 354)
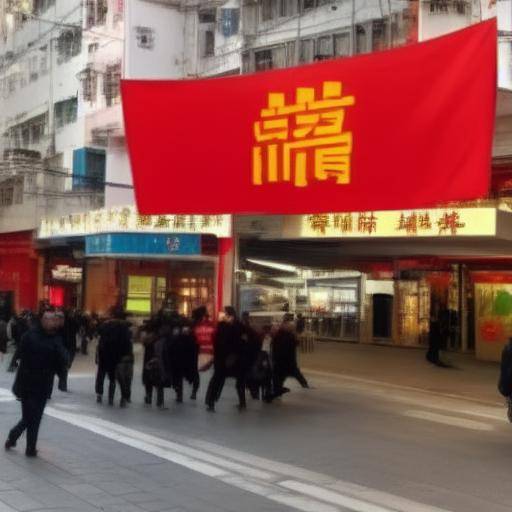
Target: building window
(145, 37)
(37, 129)
(288, 8)
(342, 45)
(437, 6)
(93, 48)
(208, 16)
(111, 81)
(69, 44)
(361, 39)
(89, 80)
(96, 12)
(267, 10)
(209, 43)
(6, 194)
(89, 166)
(307, 50)
(66, 112)
(33, 68)
(324, 48)
(379, 35)
(230, 21)
(263, 60)
(41, 6)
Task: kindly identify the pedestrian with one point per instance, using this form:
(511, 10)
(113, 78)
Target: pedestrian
(284, 356)
(252, 348)
(180, 350)
(228, 359)
(114, 344)
(41, 356)
(152, 368)
(204, 331)
(437, 334)
(20, 324)
(68, 329)
(505, 381)
(4, 339)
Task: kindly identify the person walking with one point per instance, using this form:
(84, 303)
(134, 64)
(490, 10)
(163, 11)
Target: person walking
(152, 366)
(4, 339)
(284, 356)
(41, 356)
(114, 344)
(68, 329)
(229, 359)
(505, 380)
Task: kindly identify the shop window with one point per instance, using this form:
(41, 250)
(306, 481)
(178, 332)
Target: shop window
(138, 297)
(66, 112)
(111, 84)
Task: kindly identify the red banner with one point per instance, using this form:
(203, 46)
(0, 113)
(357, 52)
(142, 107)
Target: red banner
(406, 128)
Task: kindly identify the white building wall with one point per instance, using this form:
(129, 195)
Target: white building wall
(167, 26)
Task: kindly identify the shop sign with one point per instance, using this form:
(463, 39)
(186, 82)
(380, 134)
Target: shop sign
(127, 219)
(142, 244)
(395, 224)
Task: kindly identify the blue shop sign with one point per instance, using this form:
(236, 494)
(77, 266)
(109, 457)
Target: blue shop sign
(141, 244)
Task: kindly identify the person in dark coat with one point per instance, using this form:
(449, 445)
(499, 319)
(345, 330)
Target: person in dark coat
(114, 345)
(505, 380)
(284, 356)
(20, 324)
(437, 335)
(68, 329)
(229, 359)
(3, 339)
(41, 356)
(152, 363)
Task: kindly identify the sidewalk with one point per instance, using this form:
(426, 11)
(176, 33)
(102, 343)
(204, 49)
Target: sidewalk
(407, 367)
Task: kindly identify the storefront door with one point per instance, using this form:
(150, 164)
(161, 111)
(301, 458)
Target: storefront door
(413, 312)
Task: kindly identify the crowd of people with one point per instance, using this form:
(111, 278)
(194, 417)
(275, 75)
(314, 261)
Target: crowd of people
(177, 350)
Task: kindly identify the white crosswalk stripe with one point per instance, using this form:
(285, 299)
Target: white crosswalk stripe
(295, 487)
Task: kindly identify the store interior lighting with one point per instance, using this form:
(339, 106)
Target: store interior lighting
(272, 264)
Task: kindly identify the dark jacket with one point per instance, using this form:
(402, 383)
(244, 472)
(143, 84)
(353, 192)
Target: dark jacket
(181, 353)
(114, 344)
(41, 356)
(505, 382)
(3, 336)
(229, 350)
(284, 352)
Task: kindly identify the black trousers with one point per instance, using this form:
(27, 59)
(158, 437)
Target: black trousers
(124, 374)
(159, 394)
(178, 386)
(216, 385)
(100, 381)
(32, 409)
(279, 379)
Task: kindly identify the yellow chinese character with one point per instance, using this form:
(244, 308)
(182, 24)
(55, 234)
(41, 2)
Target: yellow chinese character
(304, 140)
(319, 222)
(162, 221)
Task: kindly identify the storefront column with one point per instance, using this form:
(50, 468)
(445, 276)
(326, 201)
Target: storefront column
(463, 308)
(225, 272)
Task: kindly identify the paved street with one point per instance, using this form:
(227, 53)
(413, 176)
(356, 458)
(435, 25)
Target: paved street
(349, 444)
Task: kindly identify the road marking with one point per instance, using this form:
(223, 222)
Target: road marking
(452, 421)
(332, 497)
(272, 480)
